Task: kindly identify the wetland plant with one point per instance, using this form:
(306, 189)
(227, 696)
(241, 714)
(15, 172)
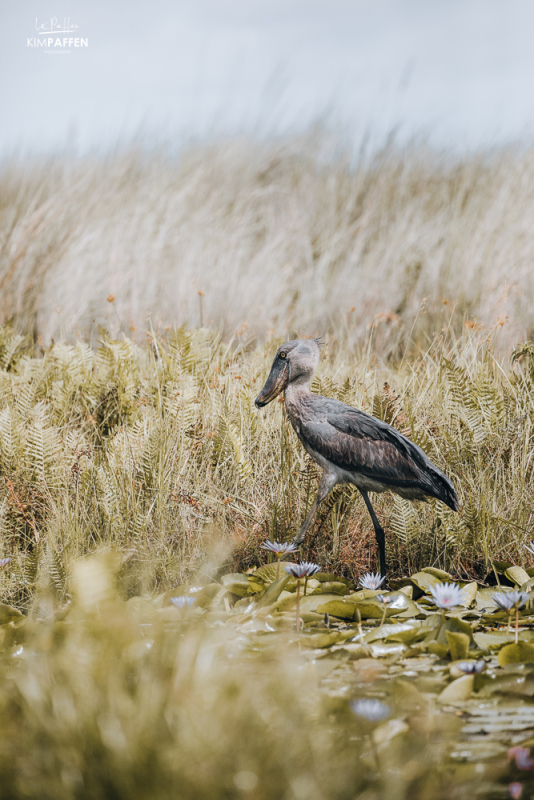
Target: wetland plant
(372, 580)
(471, 667)
(371, 710)
(445, 596)
(385, 599)
(279, 550)
(521, 756)
(299, 571)
(182, 602)
(509, 602)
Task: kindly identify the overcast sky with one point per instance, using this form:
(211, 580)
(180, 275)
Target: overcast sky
(461, 71)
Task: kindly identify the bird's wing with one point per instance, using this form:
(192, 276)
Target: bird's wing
(355, 441)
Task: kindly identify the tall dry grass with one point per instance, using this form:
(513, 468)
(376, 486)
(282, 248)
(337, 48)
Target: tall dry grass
(284, 236)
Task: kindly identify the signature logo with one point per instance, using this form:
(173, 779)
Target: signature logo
(54, 26)
(51, 35)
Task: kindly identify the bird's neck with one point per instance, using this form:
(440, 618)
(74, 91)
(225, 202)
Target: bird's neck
(295, 393)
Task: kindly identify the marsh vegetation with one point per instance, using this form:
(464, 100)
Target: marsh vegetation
(148, 640)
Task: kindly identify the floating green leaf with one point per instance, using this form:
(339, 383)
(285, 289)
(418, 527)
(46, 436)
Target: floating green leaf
(516, 654)
(321, 640)
(458, 691)
(330, 587)
(308, 603)
(273, 592)
(517, 575)
(458, 644)
(469, 594)
(236, 583)
(440, 574)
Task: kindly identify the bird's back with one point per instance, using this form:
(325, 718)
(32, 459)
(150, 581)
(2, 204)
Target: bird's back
(359, 444)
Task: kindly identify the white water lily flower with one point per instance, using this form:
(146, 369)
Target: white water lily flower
(446, 595)
(471, 667)
(279, 549)
(303, 570)
(372, 580)
(182, 602)
(510, 600)
(384, 598)
(373, 710)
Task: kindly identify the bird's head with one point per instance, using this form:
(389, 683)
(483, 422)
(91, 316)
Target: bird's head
(294, 362)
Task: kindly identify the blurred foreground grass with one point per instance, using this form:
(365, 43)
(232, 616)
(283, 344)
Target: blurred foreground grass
(139, 699)
(216, 696)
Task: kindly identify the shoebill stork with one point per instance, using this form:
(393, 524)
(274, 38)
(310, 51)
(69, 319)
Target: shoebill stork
(350, 445)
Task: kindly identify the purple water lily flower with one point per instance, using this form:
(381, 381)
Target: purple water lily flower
(509, 600)
(384, 598)
(372, 710)
(372, 580)
(182, 602)
(521, 756)
(446, 595)
(471, 667)
(279, 549)
(303, 570)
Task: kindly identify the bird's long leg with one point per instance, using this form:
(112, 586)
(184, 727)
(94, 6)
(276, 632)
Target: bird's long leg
(379, 533)
(326, 484)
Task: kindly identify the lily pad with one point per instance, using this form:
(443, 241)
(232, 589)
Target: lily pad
(330, 587)
(455, 625)
(404, 604)
(339, 609)
(437, 649)
(387, 730)
(485, 599)
(458, 644)
(273, 592)
(516, 654)
(424, 581)
(404, 633)
(469, 594)
(502, 566)
(363, 594)
(387, 631)
(321, 640)
(517, 575)
(323, 577)
(492, 640)
(367, 610)
(309, 603)
(458, 691)
(236, 583)
(440, 574)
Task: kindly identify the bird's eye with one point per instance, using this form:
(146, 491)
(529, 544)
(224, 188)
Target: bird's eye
(282, 355)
